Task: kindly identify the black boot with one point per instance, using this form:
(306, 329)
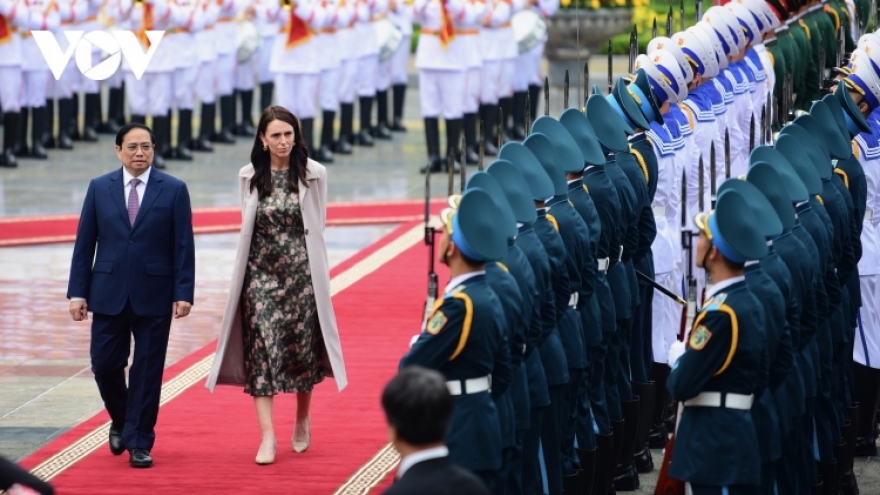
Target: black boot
(73, 123)
(364, 137)
(112, 125)
(119, 106)
(643, 461)
(399, 96)
(184, 135)
(65, 115)
(849, 484)
(20, 148)
(658, 434)
(432, 140)
(227, 121)
(162, 131)
(246, 126)
(605, 463)
(10, 138)
(324, 153)
(519, 115)
(307, 125)
(49, 142)
(453, 135)
(93, 117)
(39, 129)
(867, 395)
(506, 127)
(206, 129)
(472, 156)
(534, 95)
(587, 459)
(489, 114)
(571, 483)
(625, 477)
(381, 131)
(266, 95)
(346, 129)
(139, 119)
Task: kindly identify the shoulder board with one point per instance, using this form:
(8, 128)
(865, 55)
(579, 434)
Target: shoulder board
(843, 176)
(503, 266)
(455, 290)
(690, 117)
(834, 16)
(553, 221)
(806, 28)
(641, 161)
(714, 303)
(819, 198)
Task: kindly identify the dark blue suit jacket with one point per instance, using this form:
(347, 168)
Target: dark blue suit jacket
(151, 264)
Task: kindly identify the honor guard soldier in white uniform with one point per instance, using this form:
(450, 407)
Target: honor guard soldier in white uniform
(180, 41)
(696, 44)
(91, 89)
(726, 48)
(64, 89)
(527, 77)
(224, 40)
(383, 82)
(338, 16)
(107, 14)
(440, 61)
(267, 24)
(468, 34)
(42, 15)
(400, 12)
(206, 76)
(347, 80)
(499, 48)
(243, 86)
(12, 19)
(368, 63)
(295, 62)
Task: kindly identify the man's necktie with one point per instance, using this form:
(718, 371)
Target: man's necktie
(133, 203)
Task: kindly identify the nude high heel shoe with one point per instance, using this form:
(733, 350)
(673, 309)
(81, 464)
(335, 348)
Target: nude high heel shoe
(302, 436)
(266, 453)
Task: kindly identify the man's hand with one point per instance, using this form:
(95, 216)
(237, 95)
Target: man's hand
(79, 310)
(181, 309)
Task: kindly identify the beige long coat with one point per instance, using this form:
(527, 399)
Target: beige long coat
(228, 367)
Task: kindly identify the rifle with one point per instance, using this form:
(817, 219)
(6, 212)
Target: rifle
(528, 114)
(610, 80)
(450, 170)
(727, 152)
(500, 126)
(823, 84)
(463, 150)
(663, 290)
(547, 95)
(712, 174)
(669, 21)
(751, 140)
(633, 48)
(586, 84)
(681, 15)
(699, 11)
(654, 28)
(429, 241)
(482, 148)
(564, 91)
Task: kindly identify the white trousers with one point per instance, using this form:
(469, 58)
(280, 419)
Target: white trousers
(367, 75)
(527, 69)
(225, 74)
(88, 86)
(264, 53)
(441, 92)
(115, 81)
(666, 315)
(400, 62)
(66, 85)
(151, 95)
(183, 82)
(489, 82)
(244, 76)
(205, 82)
(383, 76)
(36, 87)
(473, 78)
(297, 93)
(348, 73)
(329, 89)
(10, 88)
(866, 348)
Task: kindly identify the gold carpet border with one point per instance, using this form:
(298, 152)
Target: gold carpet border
(382, 463)
(370, 474)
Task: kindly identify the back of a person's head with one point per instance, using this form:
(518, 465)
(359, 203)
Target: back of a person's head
(418, 405)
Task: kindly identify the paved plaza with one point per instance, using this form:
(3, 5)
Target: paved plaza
(46, 386)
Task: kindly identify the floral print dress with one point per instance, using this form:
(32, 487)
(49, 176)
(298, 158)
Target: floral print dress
(282, 335)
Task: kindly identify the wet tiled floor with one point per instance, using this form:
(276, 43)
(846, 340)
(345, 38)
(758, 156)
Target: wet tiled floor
(46, 386)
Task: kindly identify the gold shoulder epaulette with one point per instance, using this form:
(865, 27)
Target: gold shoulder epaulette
(843, 176)
(552, 220)
(641, 161)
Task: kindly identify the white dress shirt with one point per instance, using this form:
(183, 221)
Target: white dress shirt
(455, 282)
(421, 456)
(126, 181)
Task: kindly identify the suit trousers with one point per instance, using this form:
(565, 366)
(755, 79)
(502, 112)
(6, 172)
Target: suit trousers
(135, 406)
(10, 88)
(297, 93)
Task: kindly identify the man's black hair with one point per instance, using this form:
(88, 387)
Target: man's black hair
(418, 405)
(120, 136)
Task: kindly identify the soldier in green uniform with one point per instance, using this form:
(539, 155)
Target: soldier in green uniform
(465, 337)
(716, 374)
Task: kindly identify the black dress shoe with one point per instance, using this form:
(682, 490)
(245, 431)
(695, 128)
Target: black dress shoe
(64, 142)
(140, 458)
(364, 138)
(381, 131)
(658, 436)
(323, 155)
(643, 461)
(117, 446)
(181, 153)
(866, 446)
(159, 162)
(472, 156)
(519, 133)
(201, 144)
(397, 125)
(224, 137)
(489, 148)
(7, 159)
(342, 147)
(89, 134)
(434, 165)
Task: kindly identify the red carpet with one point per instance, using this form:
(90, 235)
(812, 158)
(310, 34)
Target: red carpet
(206, 443)
(29, 230)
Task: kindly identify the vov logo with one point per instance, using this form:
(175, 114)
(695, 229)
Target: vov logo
(79, 45)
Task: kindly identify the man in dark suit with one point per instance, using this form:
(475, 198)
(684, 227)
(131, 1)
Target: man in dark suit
(136, 225)
(418, 407)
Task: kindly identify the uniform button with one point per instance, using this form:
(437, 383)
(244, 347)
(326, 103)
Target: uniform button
(131, 241)
(307, 231)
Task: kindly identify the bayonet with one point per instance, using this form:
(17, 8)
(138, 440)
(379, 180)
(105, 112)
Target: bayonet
(727, 151)
(841, 46)
(701, 184)
(699, 16)
(654, 28)
(751, 139)
(633, 48)
(821, 65)
(669, 20)
(712, 175)
(463, 151)
(450, 170)
(681, 15)
(610, 61)
(481, 133)
(565, 91)
(586, 84)
(500, 126)
(763, 125)
(528, 119)
(663, 290)
(546, 95)
(429, 241)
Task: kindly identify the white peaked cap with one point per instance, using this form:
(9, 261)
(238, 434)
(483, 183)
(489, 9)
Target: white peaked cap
(668, 45)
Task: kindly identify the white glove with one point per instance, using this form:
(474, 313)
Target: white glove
(676, 350)
(413, 340)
